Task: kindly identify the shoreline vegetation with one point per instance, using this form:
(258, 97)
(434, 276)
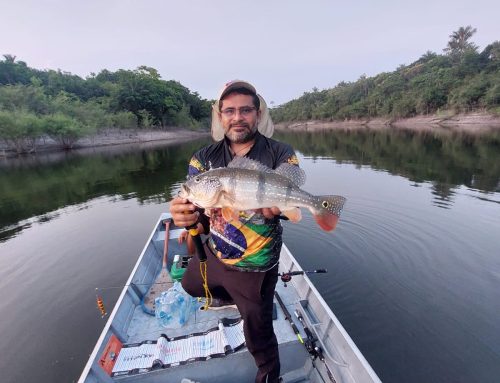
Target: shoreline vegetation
(44, 110)
(471, 123)
(461, 86)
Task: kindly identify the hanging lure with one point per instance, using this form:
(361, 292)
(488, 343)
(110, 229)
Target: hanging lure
(100, 304)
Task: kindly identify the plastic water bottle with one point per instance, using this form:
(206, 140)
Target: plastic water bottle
(182, 303)
(195, 305)
(173, 307)
(163, 310)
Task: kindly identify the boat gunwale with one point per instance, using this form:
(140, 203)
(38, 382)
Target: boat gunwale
(347, 338)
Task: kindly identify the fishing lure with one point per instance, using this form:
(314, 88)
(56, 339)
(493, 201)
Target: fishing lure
(100, 304)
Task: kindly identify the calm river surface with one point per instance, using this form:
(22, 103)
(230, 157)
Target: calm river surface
(414, 265)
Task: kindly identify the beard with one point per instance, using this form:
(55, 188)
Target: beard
(241, 137)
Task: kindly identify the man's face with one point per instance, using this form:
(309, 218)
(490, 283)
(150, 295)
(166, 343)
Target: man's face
(239, 118)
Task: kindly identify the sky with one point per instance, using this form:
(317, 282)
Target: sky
(284, 48)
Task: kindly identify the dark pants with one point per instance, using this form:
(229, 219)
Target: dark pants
(252, 292)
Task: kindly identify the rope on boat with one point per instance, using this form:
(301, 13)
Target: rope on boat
(208, 294)
(195, 235)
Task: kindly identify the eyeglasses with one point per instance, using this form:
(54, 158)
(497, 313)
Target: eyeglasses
(244, 111)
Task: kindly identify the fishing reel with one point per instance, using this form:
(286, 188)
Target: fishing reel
(315, 351)
(287, 277)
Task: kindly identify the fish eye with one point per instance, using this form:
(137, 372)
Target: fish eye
(197, 179)
(324, 204)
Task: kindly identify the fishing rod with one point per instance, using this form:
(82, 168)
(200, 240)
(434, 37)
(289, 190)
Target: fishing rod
(195, 234)
(287, 277)
(288, 317)
(312, 348)
(314, 351)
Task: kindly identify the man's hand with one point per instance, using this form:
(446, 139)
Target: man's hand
(183, 212)
(269, 212)
(183, 236)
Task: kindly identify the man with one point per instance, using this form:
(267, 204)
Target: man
(242, 261)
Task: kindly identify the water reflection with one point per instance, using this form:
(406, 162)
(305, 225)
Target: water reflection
(38, 185)
(442, 195)
(446, 159)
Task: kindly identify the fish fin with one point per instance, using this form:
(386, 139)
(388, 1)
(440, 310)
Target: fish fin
(229, 214)
(293, 215)
(327, 211)
(327, 221)
(226, 199)
(247, 163)
(292, 172)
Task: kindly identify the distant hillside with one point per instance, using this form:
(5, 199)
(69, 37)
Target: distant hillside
(461, 79)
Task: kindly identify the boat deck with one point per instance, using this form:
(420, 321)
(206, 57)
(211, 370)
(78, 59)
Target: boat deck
(129, 324)
(145, 327)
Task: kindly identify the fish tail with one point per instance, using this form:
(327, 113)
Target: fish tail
(327, 209)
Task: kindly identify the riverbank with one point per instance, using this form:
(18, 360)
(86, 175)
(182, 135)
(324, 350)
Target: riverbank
(113, 137)
(470, 123)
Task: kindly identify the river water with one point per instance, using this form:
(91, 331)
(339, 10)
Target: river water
(414, 264)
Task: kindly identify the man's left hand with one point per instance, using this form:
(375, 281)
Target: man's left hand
(269, 212)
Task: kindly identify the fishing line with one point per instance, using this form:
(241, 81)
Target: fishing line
(133, 283)
(100, 300)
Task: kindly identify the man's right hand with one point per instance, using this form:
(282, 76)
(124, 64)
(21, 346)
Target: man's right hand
(183, 212)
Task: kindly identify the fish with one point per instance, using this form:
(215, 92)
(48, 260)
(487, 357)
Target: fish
(246, 184)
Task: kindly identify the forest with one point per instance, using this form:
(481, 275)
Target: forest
(36, 104)
(65, 107)
(462, 79)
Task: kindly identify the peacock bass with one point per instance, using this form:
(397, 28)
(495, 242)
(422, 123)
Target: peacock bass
(247, 184)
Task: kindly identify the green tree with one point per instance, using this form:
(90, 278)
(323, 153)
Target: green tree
(460, 43)
(63, 129)
(20, 130)
(11, 132)
(32, 129)
(490, 56)
(124, 120)
(469, 96)
(28, 97)
(12, 72)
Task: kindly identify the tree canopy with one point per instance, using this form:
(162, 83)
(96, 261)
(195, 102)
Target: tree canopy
(36, 103)
(461, 79)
